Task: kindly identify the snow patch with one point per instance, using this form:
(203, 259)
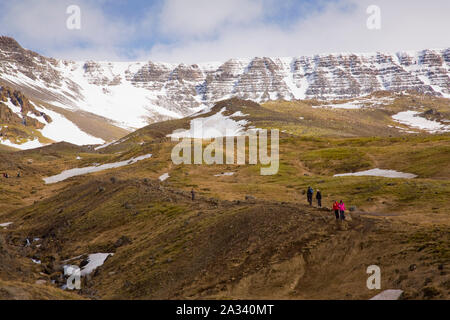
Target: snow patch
(224, 174)
(112, 143)
(289, 80)
(95, 260)
(104, 145)
(24, 146)
(348, 105)
(61, 129)
(81, 171)
(217, 125)
(412, 119)
(17, 110)
(111, 101)
(379, 173)
(163, 177)
(6, 224)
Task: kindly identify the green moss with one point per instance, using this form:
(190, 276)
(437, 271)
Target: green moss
(341, 160)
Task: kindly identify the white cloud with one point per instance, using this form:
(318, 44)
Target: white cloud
(42, 24)
(207, 30)
(97, 53)
(203, 17)
(339, 27)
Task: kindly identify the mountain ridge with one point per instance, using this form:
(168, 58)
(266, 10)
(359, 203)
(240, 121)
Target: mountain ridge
(154, 91)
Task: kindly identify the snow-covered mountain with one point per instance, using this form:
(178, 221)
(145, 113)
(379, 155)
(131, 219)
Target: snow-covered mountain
(133, 94)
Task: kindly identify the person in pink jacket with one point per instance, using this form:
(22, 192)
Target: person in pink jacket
(341, 206)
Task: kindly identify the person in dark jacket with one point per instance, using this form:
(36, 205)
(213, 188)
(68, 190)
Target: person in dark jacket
(193, 194)
(319, 198)
(309, 195)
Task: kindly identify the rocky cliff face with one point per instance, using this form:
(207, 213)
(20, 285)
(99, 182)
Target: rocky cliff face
(134, 94)
(15, 108)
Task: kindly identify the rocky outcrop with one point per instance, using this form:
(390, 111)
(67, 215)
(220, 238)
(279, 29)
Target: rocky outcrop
(151, 76)
(95, 74)
(16, 98)
(15, 59)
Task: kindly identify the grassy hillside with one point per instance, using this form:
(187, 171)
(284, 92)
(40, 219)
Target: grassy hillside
(167, 246)
(372, 120)
(245, 235)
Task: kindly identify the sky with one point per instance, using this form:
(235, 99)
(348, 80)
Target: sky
(193, 31)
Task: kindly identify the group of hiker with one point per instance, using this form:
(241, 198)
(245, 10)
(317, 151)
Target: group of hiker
(309, 196)
(338, 207)
(339, 210)
(6, 175)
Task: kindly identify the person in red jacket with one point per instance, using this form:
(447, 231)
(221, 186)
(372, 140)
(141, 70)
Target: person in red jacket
(342, 210)
(336, 209)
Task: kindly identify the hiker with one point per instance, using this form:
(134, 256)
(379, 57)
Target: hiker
(336, 209)
(319, 198)
(18, 174)
(193, 194)
(342, 210)
(309, 195)
(5, 174)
